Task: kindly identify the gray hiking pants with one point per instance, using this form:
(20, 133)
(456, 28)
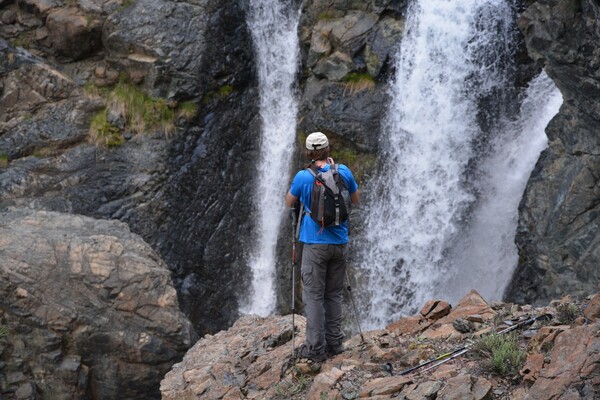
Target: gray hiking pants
(323, 270)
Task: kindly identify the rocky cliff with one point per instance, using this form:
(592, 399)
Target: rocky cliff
(558, 235)
(252, 359)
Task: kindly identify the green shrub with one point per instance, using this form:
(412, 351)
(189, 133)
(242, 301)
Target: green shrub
(3, 160)
(3, 332)
(502, 353)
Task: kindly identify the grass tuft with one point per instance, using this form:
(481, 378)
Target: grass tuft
(141, 112)
(3, 160)
(187, 110)
(567, 313)
(286, 388)
(103, 132)
(357, 82)
(502, 353)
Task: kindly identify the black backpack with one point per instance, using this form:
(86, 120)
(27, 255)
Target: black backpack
(330, 198)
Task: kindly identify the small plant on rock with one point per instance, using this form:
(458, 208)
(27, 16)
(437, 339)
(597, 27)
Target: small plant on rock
(3, 332)
(187, 110)
(567, 313)
(3, 160)
(358, 81)
(287, 388)
(140, 112)
(502, 353)
(103, 132)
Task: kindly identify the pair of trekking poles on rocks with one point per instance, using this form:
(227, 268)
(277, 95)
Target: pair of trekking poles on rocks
(295, 224)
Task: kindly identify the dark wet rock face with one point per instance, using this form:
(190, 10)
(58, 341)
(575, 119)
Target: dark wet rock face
(558, 227)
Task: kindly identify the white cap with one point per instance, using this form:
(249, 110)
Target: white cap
(316, 141)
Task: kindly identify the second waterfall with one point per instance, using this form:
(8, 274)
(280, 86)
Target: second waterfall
(274, 26)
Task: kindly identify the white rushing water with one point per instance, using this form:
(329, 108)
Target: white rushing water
(485, 256)
(273, 24)
(453, 55)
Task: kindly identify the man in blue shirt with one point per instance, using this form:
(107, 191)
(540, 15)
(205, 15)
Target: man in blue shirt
(323, 256)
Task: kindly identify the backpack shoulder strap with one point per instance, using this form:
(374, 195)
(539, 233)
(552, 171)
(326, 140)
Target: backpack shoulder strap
(312, 171)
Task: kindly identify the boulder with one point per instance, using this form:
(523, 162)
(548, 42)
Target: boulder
(73, 34)
(592, 310)
(250, 356)
(89, 308)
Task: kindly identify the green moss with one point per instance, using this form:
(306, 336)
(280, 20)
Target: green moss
(222, 92)
(24, 40)
(361, 163)
(358, 82)
(3, 160)
(225, 90)
(48, 151)
(3, 332)
(125, 5)
(327, 15)
(141, 112)
(104, 133)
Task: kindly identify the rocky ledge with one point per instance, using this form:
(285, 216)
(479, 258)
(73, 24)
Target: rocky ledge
(87, 310)
(560, 345)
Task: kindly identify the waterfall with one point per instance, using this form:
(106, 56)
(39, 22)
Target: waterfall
(449, 98)
(486, 252)
(273, 25)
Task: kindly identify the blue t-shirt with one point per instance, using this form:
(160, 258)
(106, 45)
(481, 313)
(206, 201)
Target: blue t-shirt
(310, 231)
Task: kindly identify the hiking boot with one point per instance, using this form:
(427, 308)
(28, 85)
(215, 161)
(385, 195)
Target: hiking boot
(335, 349)
(304, 352)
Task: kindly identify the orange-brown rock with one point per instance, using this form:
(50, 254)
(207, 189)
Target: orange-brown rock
(383, 386)
(575, 362)
(409, 325)
(435, 309)
(592, 311)
(465, 386)
(533, 366)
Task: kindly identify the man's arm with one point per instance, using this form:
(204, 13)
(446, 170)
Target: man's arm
(290, 200)
(354, 197)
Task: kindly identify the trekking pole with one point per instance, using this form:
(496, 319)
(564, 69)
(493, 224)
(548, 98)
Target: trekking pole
(354, 308)
(462, 350)
(293, 211)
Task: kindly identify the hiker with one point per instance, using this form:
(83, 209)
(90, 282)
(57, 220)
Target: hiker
(324, 252)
